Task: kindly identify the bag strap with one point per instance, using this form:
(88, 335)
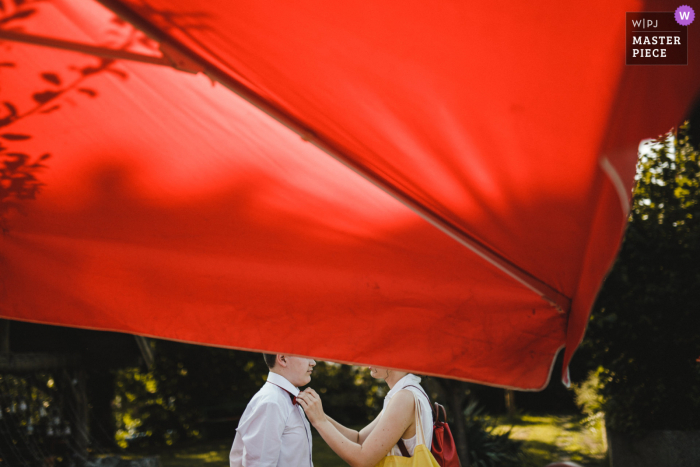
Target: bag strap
(435, 409)
(419, 427)
(402, 448)
(419, 423)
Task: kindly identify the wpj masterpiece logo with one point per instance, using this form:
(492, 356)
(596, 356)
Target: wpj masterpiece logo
(658, 38)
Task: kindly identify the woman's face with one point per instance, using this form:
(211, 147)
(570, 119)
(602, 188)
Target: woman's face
(378, 372)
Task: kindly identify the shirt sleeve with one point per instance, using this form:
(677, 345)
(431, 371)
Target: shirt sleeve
(262, 435)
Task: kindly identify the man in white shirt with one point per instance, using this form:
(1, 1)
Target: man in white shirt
(273, 430)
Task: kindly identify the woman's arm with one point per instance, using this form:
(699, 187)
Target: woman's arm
(364, 433)
(398, 416)
(352, 435)
(358, 437)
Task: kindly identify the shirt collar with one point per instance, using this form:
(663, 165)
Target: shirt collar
(282, 382)
(407, 380)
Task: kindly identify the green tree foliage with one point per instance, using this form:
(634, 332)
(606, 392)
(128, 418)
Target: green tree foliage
(194, 392)
(350, 395)
(189, 392)
(644, 328)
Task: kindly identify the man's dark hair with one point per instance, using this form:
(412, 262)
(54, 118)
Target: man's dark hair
(270, 359)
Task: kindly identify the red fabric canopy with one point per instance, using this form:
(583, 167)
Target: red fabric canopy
(436, 187)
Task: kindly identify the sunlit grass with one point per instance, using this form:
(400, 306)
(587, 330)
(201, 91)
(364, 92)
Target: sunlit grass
(323, 456)
(209, 455)
(548, 439)
(554, 438)
(216, 455)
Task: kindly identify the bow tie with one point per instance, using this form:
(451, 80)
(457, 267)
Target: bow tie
(291, 396)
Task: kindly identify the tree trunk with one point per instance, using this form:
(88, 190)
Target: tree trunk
(510, 402)
(4, 336)
(75, 380)
(100, 393)
(460, 427)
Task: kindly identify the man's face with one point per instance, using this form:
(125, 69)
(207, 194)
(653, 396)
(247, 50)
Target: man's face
(299, 370)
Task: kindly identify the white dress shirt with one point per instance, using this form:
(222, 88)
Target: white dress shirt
(272, 430)
(426, 412)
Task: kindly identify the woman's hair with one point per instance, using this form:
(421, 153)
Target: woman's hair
(270, 360)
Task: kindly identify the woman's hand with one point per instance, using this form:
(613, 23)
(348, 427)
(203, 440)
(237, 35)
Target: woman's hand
(311, 403)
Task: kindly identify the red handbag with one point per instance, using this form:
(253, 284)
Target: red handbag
(443, 447)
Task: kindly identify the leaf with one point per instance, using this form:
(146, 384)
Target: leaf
(119, 73)
(51, 109)
(52, 78)
(88, 91)
(16, 184)
(44, 97)
(148, 42)
(89, 70)
(14, 137)
(7, 64)
(31, 194)
(19, 161)
(19, 15)
(11, 108)
(6, 121)
(5, 206)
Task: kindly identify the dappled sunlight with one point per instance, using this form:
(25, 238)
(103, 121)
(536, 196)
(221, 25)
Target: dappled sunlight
(209, 457)
(552, 438)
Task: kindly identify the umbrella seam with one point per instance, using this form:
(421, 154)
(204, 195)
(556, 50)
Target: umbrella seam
(548, 293)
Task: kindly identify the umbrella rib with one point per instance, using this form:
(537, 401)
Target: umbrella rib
(83, 48)
(548, 293)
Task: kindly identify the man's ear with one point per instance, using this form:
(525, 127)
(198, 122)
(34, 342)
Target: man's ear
(281, 360)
